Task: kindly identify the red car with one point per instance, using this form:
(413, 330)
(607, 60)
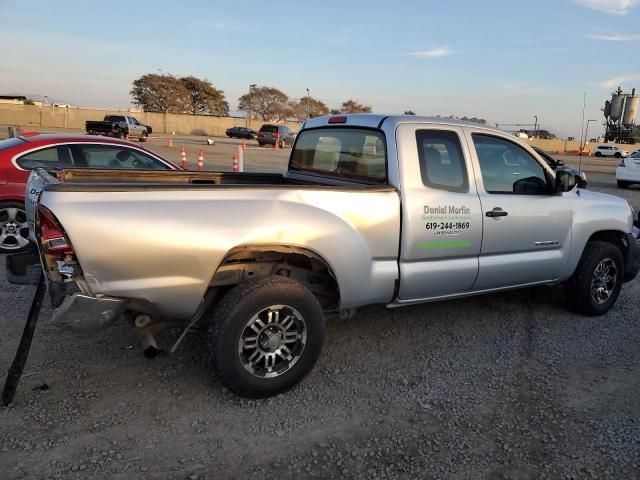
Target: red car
(54, 151)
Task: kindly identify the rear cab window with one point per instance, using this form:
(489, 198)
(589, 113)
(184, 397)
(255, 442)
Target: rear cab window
(352, 153)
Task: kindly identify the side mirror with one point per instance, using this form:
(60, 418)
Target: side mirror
(565, 181)
(559, 163)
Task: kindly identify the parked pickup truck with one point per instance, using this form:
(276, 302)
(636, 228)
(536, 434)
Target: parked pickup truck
(119, 126)
(391, 210)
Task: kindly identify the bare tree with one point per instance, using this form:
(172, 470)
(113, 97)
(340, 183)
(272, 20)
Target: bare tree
(268, 102)
(409, 112)
(307, 107)
(352, 106)
(204, 98)
(160, 93)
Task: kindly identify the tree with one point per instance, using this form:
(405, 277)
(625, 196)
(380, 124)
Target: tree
(204, 98)
(409, 112)
(352, 106)
(307, 107)
(160, 93)
(29, 101)
(268, 102)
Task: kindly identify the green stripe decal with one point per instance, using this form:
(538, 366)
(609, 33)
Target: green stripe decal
(444, 244)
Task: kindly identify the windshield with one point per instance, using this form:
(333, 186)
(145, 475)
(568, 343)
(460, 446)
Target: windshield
(345, 152)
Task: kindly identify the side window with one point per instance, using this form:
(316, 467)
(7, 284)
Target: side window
(113, 156)
(441, 160)
(53, 157)
(508, 168)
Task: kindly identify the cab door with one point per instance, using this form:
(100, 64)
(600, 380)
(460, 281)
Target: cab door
(441, 215)
(527, 226)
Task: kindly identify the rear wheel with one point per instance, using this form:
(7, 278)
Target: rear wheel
(121, 135)
(14, 231)
(617, 154)
(266, 336)
(622, 184)
(598, 154)
(595, 285)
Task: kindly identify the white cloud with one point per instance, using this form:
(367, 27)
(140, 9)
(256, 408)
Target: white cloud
(617, 37)
(613, 7)
(615, 81)
(433, 53)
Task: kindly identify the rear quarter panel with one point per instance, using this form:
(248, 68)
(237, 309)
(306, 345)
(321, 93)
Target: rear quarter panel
(164, 246)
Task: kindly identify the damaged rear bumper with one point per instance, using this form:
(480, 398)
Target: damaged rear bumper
(84, 313)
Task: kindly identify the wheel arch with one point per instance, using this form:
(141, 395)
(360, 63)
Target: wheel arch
(300, 264)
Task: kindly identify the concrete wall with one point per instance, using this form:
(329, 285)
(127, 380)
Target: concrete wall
(31, 116)
(566, 146)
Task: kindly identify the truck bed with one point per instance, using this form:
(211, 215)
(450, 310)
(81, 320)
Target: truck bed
(118, 180)
(159, 236)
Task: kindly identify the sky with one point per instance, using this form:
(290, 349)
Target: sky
(504, 61)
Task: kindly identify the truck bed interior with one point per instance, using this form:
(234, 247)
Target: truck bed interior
(114, 180)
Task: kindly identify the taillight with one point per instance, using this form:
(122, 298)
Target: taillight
(621, 163)
(52, 235)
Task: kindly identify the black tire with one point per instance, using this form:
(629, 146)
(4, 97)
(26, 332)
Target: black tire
(617, 154)
(8, 246)
(121, 135)
(598, 154)
(232, 318)
(578, 289)
(143, 137)
(622, 184)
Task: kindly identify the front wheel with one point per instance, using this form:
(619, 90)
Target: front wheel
(14, 230)
(595, 285)
(143, 137)
(598, 154)
(121, 135)
(622, 184)
(266, 336)
(617, 154)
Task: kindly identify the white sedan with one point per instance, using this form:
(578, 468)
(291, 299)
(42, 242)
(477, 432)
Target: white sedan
(628, 171)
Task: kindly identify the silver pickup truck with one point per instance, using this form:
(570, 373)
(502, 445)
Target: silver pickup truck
(391, 210)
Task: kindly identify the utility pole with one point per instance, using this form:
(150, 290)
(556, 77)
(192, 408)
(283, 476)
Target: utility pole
(584, 107)
(251, 87)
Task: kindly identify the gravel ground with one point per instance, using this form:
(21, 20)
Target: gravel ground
(502, 386)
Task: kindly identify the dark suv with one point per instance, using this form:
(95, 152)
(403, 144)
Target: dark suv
(268, 134)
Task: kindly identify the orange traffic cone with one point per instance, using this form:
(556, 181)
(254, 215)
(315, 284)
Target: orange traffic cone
(234, 159)
(183, 157)
(200, 159)
(170, 142)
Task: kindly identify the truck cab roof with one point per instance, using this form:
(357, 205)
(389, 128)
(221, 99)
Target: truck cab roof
(369, 120)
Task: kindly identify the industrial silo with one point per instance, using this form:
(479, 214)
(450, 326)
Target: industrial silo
(631, 108)
(617, 103)
(607, 108)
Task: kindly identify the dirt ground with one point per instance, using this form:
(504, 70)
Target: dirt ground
(506, 386)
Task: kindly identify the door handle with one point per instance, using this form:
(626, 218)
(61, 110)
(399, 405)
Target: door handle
(497, 212)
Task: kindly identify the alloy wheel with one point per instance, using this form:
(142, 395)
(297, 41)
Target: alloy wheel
(272, 341)
(14, 230)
